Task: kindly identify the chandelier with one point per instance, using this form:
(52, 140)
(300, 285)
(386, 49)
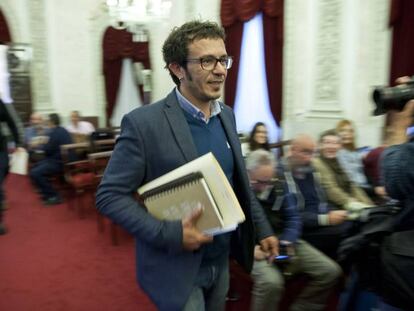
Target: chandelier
(138, 11)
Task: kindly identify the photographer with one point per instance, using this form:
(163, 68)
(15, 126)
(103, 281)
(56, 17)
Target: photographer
(398, 249)
(397, 253)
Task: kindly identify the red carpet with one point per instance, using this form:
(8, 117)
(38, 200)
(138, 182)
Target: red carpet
(51, 260)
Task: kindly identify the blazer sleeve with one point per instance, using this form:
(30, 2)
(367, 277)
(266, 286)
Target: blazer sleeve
(360, 195)
(261, 224)
(116, 193)
(334, 194)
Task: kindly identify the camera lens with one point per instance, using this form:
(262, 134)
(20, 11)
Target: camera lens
(392, 98)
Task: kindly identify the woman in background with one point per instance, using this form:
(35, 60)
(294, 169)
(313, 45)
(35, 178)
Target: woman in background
(350, 158)
(258, 137)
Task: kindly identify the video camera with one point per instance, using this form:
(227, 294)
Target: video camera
(392, 98)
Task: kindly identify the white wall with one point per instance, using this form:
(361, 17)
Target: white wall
(335, 51)
(70, 55)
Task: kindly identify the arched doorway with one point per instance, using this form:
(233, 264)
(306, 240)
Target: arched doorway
(118, 45)
(5, 36)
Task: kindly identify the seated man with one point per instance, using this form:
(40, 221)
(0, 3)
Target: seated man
(34, 134)
(35, 129)
(52, 164)
(340, 190)
(80, 130)
(324, 225)
(303, 258)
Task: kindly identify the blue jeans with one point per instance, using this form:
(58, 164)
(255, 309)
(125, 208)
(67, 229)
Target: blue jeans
(210, 288)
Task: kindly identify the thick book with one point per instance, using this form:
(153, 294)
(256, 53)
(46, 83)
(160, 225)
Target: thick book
(199, 183)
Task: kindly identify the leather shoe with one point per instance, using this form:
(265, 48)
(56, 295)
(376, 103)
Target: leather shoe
(3, 229)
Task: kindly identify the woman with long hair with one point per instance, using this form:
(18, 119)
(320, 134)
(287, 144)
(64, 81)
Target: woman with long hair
(349, 157)
(258, 137)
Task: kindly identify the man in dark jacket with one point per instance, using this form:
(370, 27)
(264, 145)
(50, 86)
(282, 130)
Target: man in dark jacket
(397, 256)
(283, 215)
(178, 266)
(6, 116)
(52, 164)
(323, 225)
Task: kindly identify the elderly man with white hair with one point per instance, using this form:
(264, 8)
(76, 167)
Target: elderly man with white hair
(300, 257)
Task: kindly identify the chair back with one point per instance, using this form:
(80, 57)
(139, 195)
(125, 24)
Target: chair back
(102, 140)
(99, 161)
(74, 152)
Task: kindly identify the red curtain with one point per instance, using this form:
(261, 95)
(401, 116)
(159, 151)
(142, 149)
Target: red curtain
(402, 23)
(233, 15)
(117, 45)
(4, 30)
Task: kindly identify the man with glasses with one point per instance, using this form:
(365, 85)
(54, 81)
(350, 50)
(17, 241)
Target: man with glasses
(179, 267)
(281, 211)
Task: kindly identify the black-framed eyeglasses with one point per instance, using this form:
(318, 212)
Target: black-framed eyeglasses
(210, 62)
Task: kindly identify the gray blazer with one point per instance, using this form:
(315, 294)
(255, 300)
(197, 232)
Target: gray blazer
(154, 140)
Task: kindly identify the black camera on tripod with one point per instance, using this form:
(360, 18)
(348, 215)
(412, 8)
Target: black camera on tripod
(393, 98)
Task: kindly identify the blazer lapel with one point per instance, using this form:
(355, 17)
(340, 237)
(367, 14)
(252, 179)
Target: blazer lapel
(230, 131)
(179, 127)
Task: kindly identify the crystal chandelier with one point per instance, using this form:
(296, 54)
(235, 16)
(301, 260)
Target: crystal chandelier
(138, 11)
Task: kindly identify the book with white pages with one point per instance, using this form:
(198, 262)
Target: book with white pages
(199, 183)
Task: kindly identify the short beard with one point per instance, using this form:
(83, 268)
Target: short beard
(190, 79)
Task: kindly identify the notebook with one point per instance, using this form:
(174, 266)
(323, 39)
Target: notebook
(200, 182)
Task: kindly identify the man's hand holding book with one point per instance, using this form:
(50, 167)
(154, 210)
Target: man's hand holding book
(192, 237)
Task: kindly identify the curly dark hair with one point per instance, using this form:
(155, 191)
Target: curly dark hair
(175, 48)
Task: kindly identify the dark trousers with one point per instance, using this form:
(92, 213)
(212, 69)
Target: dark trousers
(4, 169)
(397, 261)
(327, 239)
(40, 174)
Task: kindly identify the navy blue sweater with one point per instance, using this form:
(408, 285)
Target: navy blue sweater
(211, 137)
